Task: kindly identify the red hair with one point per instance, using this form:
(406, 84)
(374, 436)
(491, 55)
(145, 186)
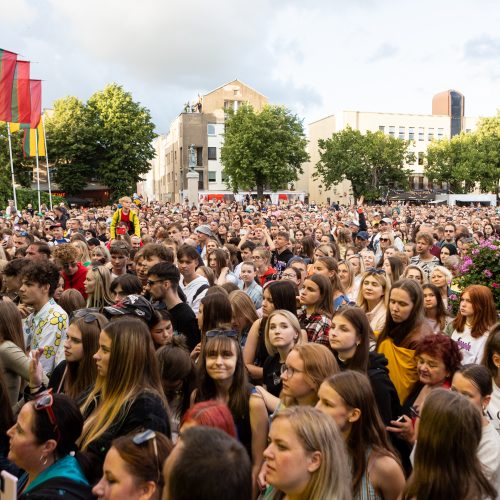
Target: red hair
(442, 347)
(211, 413)
(484, 309)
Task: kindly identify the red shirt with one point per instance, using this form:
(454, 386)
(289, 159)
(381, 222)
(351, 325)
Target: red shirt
(76, 280)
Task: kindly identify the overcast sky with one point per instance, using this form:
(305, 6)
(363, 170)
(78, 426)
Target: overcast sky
(315, 57)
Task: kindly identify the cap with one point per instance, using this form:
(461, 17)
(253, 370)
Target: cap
(387, 220)
(53, 226)
(132, 304)
(354, 223)
(204, 229)
(363, 235)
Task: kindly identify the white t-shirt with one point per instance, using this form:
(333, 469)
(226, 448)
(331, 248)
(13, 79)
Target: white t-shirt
(191, 289)
(493, 409)
(472, 349)
(488, 454)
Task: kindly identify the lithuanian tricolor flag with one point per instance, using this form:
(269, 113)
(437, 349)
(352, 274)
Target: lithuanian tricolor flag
(21, 98)
(7, 68)
(29, 143)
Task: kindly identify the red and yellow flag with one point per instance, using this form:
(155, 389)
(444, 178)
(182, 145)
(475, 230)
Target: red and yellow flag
(7, 68)
(30, 141)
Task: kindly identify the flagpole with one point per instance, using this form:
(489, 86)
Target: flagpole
(38, 173)
(47, 159)
(12, 167)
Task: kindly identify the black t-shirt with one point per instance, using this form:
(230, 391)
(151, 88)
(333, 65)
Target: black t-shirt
(272, 374)
(185, 323)
(280, 260)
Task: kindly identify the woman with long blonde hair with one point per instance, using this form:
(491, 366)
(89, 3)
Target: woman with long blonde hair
(83, 252)
(98, 287)
(373, 296)
(306, 457)
(124, 397)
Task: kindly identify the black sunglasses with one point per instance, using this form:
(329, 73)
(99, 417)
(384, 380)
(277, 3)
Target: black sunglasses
(88, 314)
(222, 333)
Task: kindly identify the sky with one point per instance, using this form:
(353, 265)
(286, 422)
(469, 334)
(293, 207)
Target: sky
(315, 57)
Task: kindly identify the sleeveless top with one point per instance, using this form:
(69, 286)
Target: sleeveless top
(366, 490)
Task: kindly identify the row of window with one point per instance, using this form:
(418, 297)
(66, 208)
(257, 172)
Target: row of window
(212, 176)
(211, 152)
(413, 132)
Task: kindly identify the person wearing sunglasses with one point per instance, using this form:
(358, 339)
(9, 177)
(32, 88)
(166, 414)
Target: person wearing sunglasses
(127, 392)
(133, 467)
(222, 376)
(42, 443)
(77, 373)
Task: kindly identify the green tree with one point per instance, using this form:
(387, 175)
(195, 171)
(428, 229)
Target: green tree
(263, 149)
(468, 158)
(369, 161)
(109, 139)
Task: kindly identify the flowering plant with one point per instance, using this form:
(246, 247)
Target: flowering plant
(480, 266)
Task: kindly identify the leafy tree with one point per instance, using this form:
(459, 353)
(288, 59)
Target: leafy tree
(369, 161)
(468, 158)
(263, 149)
(109, 139)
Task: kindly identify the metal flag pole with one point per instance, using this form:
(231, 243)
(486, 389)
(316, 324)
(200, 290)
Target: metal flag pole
(12, 168)
(47, 160)
(38, 173)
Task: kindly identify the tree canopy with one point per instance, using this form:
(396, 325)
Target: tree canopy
(468, 158)
(263, 149)
(107, 139)
(371, 162)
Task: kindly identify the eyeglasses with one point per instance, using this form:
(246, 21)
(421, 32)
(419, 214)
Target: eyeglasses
(45, 402)
(144, 437)
(289, 276)
(22, 233)
(231, 334)
(289, 371)
(385, 239)
(374, 270)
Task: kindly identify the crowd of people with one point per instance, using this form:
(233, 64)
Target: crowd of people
(248, 350)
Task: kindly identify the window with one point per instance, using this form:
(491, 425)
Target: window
(440, 133)
(212, 176)
(199, 156)
(430, 133)
(421, 132)
(411, 133)
(228, 104)
(381, 128)
(224, 177)
(201, 184)
(392, 130)
(421, 157)
(212, 153)
(401, 133)
(211, 129)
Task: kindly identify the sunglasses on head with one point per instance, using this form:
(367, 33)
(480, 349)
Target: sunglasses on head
(44, 402)
(222, 333)
(144, 437)
(373, 270)
(88, 314)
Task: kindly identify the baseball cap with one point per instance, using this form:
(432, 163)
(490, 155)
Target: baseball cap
(387, 220)
(132, 304)
(363, 235)
(354, 223)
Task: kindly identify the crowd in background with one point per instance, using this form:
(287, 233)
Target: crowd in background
(248, 350)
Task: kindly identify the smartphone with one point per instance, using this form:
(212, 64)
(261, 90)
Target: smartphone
(8, 486)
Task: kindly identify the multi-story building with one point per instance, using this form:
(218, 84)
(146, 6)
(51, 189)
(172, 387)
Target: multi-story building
(200, 125)
(447, 119)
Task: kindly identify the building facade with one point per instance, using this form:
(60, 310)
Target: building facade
(447, 119)
(200, 125)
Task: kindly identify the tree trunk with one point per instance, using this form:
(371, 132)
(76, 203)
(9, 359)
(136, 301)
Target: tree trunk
(260, 191)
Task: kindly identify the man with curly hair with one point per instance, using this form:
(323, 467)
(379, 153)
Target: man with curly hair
(74, 272)
(45, 328)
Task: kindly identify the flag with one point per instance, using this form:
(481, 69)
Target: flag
(7, 68)
(29, 142)
(36, 102)
(21, 100)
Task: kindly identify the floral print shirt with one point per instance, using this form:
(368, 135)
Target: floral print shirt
(47, 328)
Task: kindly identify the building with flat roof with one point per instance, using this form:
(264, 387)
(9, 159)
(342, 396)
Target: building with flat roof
(200, 125)
(447, 119)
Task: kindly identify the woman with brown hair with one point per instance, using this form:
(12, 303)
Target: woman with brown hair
(372, 298)
(348, 398)
(244, 314)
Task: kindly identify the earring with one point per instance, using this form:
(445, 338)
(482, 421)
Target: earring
(43, 460)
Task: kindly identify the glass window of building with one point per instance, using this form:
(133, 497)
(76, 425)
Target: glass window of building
(401, 132)
(421, 155)
(440, 133)
(392, 130)
(212, 153)
(381, 128)
(411, 133)
(421, 131)
(212, 176)
(211, 129)
(430, 133)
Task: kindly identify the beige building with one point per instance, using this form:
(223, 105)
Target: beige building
(201, 125)
(446, 121)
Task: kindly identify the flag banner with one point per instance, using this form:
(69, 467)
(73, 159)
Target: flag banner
(15, 127)
(29, 142)
(7, 68)
(21, 100)
(36, 102)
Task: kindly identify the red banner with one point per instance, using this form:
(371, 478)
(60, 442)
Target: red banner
(21, 100)
(36, 102)
(7, 67)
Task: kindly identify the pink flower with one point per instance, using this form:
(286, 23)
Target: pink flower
(494, 285)
(488, 273)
